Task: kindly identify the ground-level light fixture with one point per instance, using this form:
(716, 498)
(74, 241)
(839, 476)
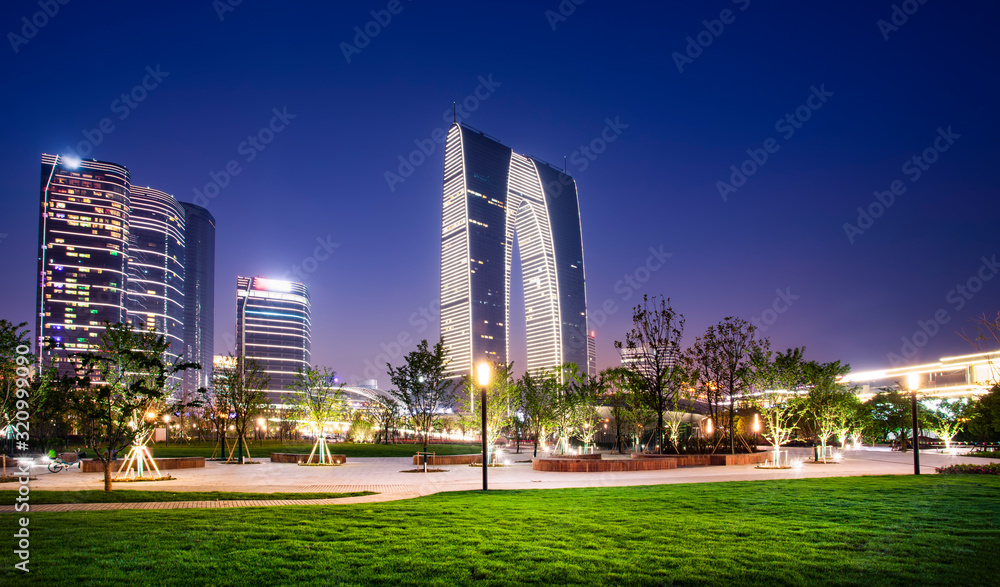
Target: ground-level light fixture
(483, 374)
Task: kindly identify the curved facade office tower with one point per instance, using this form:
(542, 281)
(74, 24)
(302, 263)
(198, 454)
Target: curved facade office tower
(156, 265)
(199, 295)
(82, 254)
(493, 196)
(273, 327)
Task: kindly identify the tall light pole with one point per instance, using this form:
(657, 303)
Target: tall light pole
(913, 382)
(483, 376)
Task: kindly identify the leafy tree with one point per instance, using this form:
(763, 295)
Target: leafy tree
(721, 361)
(984, 415)
(125, 379)
(241, 385)
(653, 344)
(502, 399)
(776, 381)
(828, 403)
(618, 400)
(538, 398)
(946, 418)
(318, 402)
(386, 412)
(422, 388)
(12, 337)
(890, 414)
(362, 426)
(585, 417)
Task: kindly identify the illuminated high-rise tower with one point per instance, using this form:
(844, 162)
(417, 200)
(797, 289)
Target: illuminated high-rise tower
(273, 327)
(492, 196)
(156, 265)
(82, 254)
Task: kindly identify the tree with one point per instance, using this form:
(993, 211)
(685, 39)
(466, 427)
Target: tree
(538, 397)
(827, 402)
(947, 419)
(422, 388)
(721, 359)
(362, 426)
(318, 402)
(502, 399)
(241, 384)
(585, 417)
(889, 411)
(124, 379)
(14, 365)
(386, 412)
(652, 348)
(985, 337)
(617, 400)
(776, 382)
(984, 415)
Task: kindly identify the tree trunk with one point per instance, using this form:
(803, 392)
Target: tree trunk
(107, 474)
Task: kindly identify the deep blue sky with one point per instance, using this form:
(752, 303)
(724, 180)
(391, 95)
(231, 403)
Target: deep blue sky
(654, 186)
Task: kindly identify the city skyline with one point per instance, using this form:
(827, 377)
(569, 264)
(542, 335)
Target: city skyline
(331, 166)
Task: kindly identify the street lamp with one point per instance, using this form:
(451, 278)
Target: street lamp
(483, 375)
(913, 382)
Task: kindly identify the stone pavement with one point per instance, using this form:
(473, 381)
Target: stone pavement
(388, 478)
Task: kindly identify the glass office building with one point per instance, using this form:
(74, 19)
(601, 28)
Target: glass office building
(82, 254)
(199, 295)
(491, 197)
(273, 327)
(156, 265)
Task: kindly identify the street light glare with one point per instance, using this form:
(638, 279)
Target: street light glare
(483, 374)
(913, 381)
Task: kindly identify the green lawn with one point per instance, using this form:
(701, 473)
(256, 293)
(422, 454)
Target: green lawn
(139, 496)
(205, 449)
(893, 530)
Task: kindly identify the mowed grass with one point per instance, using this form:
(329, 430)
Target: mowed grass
(141, 496)
(205, 449)
(893, 530)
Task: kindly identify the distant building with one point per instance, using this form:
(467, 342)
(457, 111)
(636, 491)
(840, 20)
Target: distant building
(491, 195)
(273, 327)
(649, 360)
(82, 254)
(592, 354)
(199, 295)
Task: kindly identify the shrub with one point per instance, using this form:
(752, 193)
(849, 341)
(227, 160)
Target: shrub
(987, 469)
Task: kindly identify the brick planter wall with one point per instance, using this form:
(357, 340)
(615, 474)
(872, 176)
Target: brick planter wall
(595, 456)
(754, 458)
(599, 465)
(448, 459)
(94, 465)
(285, 457)
(681, 460)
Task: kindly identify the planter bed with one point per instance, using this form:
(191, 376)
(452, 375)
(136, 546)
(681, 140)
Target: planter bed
(591, 465)
(94, 465)
(448, 459)
(285, 457)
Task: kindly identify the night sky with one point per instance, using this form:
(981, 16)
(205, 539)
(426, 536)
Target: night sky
(548, 84)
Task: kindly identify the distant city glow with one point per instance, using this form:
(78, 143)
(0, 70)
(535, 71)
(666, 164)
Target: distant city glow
(271, 284)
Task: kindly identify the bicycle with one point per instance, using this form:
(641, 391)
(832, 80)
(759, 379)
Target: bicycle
(58, 464)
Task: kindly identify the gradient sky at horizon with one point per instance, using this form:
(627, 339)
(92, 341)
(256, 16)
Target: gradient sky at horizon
(552, 92)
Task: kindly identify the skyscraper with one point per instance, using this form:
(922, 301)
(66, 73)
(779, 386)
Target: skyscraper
(492, 196)
(199, 295)
(156, 265)
(82, 255)
(592, 354)
(273, 327)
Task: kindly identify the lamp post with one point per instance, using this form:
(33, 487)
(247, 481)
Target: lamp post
(483, 375)
(913, 382)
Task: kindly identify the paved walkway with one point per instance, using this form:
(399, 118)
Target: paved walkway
(388, 477)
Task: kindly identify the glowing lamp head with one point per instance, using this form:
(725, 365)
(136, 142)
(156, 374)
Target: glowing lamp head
(756, 423)
(483, 374)
(913, 381)
(708, 426)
